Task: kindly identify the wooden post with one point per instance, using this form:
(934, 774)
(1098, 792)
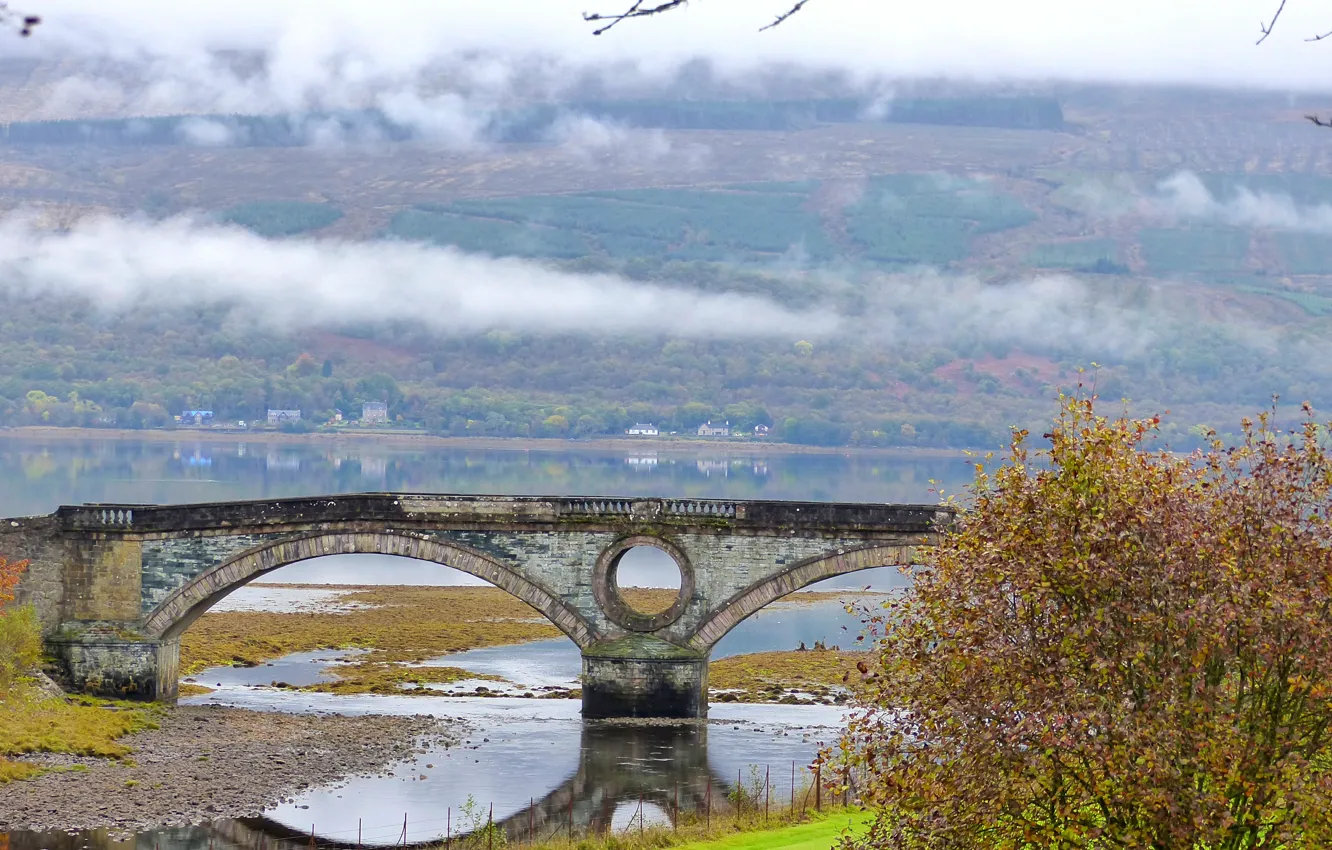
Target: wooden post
(792, 786)
(490, 832)
(312, 844)
(531, 818)
(642, 815)
(818, 787)
(358, 833)
(448, 830)
(675, 824)
(708, 803)
(767, 790)
(571, 816)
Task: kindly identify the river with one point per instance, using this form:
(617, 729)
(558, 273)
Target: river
(534, 760)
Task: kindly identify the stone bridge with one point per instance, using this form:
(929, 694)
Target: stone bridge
(116, 585)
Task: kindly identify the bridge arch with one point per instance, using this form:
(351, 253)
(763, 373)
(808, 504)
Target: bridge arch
(187, 603)
(729, 614)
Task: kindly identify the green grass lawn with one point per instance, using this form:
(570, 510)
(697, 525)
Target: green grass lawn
(816, 835)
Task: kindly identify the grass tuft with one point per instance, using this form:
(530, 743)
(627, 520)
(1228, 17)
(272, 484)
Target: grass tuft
(31, 723)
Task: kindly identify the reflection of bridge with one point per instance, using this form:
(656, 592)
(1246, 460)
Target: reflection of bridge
(621, 765)
(116, 585)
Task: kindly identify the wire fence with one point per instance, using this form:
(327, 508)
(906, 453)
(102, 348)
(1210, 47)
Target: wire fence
(749, 800)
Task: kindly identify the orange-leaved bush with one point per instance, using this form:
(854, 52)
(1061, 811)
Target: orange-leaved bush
(10, 573)
(1114, 647)
(20, 632)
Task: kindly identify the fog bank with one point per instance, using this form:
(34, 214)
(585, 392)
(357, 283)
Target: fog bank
(124, 265)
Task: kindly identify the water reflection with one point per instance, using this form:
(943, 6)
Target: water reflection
(623, 772)
(59, 471)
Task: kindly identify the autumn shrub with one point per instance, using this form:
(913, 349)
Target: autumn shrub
(20, 644)
(20, 632)
(1114, 647)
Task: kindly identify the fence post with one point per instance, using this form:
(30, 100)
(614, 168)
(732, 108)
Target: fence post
(818, 787)
(767, 790)
(358, 834)
(448, 830)
(708, 804)
(793, 787)
(571, 817)
(642, 816)
(490, 831)
(846, 785)
(675, 824)
(312, 844)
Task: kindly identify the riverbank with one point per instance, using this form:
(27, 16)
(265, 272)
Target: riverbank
(206, 763)
(691, 446)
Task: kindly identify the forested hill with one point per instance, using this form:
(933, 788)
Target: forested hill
(959, 261)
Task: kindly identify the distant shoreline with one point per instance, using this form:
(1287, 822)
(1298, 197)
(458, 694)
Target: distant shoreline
(398, 438)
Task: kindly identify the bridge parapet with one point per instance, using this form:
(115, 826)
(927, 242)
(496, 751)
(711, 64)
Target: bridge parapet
(507, 511)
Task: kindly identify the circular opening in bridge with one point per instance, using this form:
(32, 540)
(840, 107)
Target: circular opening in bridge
(647, 579)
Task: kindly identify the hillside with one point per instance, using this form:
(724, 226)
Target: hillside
(1178, 239)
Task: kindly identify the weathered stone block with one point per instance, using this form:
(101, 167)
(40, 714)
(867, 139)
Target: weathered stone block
(118, 668)
(643, 676)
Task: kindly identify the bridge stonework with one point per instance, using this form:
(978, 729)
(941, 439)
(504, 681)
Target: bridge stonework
(116, 585)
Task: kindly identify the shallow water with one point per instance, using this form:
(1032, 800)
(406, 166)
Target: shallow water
(557, 662)
(527, 754)
(535, 761)
(285, 600)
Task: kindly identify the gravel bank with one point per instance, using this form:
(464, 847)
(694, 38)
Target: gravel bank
(207, 762)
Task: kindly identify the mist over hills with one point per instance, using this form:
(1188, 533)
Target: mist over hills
(915, 263)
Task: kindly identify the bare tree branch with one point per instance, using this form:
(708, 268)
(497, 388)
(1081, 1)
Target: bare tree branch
(1318, 121)
(643, 9)
(784, 15)
(638, 10)
(1271, 25)
(24, 23)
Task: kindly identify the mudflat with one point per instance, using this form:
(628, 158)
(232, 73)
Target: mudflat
(205, 763)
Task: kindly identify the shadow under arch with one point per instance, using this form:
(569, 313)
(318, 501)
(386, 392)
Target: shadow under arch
(187, 603)
(729, 614)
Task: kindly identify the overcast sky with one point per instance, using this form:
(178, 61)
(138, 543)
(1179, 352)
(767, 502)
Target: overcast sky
(1203, 41)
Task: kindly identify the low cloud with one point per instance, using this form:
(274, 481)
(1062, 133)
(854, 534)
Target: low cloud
(206, 133)
(123, 265)
(1059, 312)
(1184, 195)
(600, 141)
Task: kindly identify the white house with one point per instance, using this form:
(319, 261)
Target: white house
(276, 417)
(707, 429)
(374, 413)
(641, 430)
(761, 430)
